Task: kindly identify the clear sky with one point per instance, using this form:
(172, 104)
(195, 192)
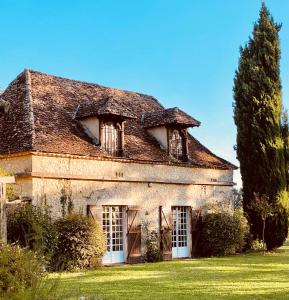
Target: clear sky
(184, 52)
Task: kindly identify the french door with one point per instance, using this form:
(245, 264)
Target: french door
(180, 232)
(112, 224)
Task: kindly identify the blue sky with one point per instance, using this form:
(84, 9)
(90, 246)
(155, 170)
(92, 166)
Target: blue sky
(184, 52)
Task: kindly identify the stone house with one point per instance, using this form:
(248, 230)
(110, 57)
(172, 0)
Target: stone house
(118, 156)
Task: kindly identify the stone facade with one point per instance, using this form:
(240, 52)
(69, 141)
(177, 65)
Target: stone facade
(119, 156)
(92, 181)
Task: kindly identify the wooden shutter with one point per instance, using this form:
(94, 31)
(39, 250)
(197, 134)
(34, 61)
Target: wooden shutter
(133, 235)
(95, 212)
(165, 234)
(196, 223)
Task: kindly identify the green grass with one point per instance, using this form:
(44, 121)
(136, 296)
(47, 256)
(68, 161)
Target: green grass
(249, 276)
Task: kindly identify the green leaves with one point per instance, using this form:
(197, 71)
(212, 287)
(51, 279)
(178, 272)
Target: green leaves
(257, 115)
(80, 243)
(223, 233)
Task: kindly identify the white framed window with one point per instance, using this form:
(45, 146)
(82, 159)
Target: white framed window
(113, 228)
(180, 232)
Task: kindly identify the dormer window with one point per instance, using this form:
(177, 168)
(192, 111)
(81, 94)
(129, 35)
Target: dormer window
(112, 138)
(176, 145)
(169, 128)
(102, 121)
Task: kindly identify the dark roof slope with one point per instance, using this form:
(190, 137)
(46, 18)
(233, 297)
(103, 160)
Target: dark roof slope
(43, 107)
(170, 116)
(17, 127)
(110, 105)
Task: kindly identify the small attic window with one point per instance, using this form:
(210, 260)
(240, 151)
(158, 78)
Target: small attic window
(112, 138)
(177, 144)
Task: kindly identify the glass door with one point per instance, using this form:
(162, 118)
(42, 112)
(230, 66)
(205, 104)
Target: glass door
(180, 232)
(112, 224)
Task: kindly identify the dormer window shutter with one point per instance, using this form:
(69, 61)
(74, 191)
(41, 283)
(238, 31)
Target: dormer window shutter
(178, 144)
(185, 145)
(112, 137)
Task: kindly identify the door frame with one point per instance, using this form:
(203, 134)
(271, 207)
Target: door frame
(187, 230)
(124, 228)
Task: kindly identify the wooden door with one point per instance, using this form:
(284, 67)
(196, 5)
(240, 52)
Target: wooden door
(165, 234)
(133, 235)
(196, 223)
(95, 212)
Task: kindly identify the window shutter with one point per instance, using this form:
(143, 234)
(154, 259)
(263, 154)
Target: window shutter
(165, 234)
(95, 212)
(133, 235)
(196, 223)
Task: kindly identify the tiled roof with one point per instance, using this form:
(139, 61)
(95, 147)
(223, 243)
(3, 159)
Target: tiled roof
(108, 106)
(170, 116)
(43, 106)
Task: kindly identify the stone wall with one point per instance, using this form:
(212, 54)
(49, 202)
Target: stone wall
(86, 181)
(19, 165)
(116, 183)
(92, 181)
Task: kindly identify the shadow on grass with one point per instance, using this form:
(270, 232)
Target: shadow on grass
(250, 276)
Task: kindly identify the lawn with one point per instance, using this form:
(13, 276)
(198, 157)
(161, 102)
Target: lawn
(249, 276)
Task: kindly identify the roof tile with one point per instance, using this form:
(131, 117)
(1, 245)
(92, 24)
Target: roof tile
(41, 119)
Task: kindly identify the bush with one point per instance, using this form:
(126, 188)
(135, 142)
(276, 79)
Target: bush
(80, 243)
(257, 246)
(31, 227)
(152, 245)
(276, 230)
(19, 269)
(223, 233)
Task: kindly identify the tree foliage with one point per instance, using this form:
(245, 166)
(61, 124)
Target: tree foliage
(32, 227)
(222, 233)
(20, 269)
(80, 243)
(257, 115)
(285, 136)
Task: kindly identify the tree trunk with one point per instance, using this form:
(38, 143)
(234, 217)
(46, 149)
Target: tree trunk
(263, 235)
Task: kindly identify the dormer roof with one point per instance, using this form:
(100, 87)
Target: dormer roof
(171, 116)
(111, 105)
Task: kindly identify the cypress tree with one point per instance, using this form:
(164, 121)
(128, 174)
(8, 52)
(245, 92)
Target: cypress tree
(257, 115)
(285, 136)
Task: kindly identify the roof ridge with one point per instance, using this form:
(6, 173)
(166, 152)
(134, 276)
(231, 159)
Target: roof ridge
(92, 83)
(15, 79)
(28, 102)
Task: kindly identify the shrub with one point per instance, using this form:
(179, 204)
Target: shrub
(31, 227)
(276, 230)
(80, 243)
(257, 246)
(223, 233)
(152, 245)
(19, 269)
